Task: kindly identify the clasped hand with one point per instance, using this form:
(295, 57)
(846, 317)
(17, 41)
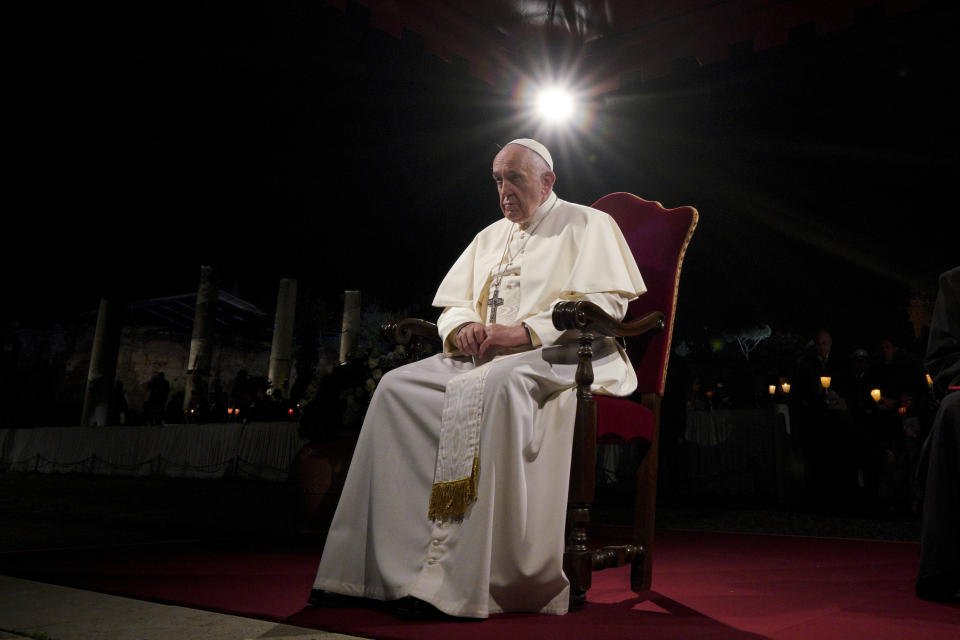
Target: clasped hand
(475, 339)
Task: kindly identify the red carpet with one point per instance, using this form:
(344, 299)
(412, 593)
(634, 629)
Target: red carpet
(707, 586)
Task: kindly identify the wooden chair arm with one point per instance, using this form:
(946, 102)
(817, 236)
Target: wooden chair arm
(403, 331)
(412, 333)
(586, 316)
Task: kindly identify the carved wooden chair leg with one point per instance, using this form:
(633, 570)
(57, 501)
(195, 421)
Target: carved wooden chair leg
(645, 502)
(578, 559)
(638, 571)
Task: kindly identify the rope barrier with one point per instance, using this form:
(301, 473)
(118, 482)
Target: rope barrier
(239, 467)
(277, 469)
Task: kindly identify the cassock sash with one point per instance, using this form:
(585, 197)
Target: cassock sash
(458, 456)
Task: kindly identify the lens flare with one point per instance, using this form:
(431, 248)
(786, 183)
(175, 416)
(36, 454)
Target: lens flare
(555, 105)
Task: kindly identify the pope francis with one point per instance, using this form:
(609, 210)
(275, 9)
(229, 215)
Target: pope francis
(455, 499)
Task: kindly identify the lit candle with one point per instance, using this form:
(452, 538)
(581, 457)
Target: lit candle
(786, 387)
(825, 382)
(875, 394)
(772, 389)
(929, 380)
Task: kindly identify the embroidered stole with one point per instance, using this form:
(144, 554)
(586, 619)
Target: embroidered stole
(458, 456)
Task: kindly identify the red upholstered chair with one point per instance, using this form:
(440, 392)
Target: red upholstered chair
(658, 238)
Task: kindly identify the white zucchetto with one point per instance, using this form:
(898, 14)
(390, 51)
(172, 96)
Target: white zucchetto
(536, 147)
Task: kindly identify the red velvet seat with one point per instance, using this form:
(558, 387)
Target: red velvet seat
(623, 420)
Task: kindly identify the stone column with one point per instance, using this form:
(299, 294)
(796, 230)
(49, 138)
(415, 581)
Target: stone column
(103, 366)
(201, 343)
(282, 349)
(350, 330)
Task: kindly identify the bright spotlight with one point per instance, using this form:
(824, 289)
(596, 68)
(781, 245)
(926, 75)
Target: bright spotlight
(555, 105)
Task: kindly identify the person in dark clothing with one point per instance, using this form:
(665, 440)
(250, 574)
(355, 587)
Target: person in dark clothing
(824, 423)
(938, 576)
(157, 391)
(118, 405)
(895, 425)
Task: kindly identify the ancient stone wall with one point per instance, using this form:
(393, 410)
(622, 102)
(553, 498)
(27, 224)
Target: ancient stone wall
(145, 350)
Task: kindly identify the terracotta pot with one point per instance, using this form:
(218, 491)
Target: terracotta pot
(319, 471)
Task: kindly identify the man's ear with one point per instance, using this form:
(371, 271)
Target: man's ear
(548, 178)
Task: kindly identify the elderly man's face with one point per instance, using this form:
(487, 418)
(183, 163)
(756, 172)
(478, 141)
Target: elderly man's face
(523, 180)
(823, 342)
(888, 350)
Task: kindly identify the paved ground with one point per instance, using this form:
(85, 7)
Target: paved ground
(50, 612)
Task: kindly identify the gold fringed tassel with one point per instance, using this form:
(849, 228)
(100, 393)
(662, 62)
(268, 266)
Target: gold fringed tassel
(449, 500)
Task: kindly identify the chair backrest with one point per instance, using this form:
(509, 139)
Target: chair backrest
(658, 238)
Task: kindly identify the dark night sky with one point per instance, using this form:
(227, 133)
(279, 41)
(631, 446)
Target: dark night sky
(284, 141)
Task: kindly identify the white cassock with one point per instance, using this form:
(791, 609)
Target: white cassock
(506, 553)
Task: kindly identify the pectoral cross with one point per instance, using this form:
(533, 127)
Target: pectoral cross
(494, 302)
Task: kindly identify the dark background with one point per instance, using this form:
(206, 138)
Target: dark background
(281, 139)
